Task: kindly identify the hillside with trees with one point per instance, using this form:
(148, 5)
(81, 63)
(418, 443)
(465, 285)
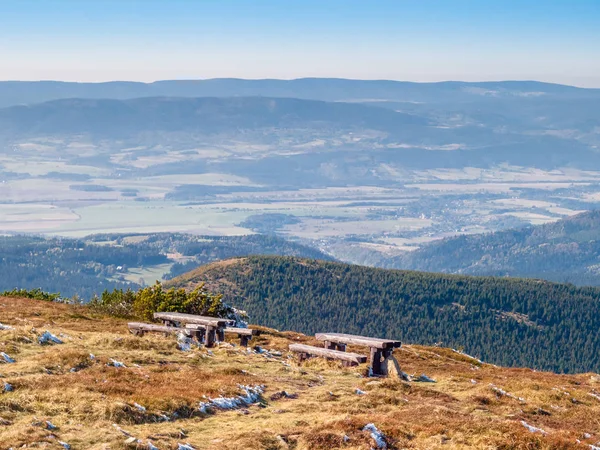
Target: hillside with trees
(563, 251)
(513, 322)
(85, 267)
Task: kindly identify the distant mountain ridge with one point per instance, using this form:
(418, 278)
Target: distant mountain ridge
(513, 322)
(210, 115)
(565, 251)
(332, 89)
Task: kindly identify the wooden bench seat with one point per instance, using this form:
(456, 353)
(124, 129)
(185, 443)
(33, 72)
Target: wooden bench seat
(304, 351)
(212, 326)
(381, 349)
(140, 328)
(245, 334)
(173, 319)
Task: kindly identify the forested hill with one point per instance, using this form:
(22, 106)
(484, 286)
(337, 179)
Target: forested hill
(513, 322)
(563, 251)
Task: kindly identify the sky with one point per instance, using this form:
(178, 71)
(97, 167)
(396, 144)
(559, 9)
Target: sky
(414, 40)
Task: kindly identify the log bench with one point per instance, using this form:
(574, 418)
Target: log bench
(348, 359)
(381, 349)
(140, 328)
(212, 326)
(245, 334)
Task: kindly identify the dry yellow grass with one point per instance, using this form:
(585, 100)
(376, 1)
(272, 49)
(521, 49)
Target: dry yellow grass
(460, 411)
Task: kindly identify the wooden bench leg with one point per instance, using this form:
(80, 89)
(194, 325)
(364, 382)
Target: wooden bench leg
(376, 361)
(384, 364)
(341, 347)
(221, 335)
(244, 340)
(197, 334)
(329, 345)
(210, 337)
(303, 357)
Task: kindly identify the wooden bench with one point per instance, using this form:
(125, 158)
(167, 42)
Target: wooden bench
(305, 351)
(212, 326)
(140, 328)
(245, 334)
(381, 349)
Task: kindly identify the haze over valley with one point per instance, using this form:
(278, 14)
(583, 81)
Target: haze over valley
(365, 171)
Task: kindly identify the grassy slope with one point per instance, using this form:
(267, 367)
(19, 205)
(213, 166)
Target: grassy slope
(498, 319)
(460, 411)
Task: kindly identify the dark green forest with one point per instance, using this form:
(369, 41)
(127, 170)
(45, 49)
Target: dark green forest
(88, 266)
(506, 321)
(565, 251)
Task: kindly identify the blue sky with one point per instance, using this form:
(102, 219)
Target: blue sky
(418, 40)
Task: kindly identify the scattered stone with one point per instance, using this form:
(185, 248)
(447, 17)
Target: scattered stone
(283, 394)
(50, 425)
(6, 358)
(139, 407)
(8, 387)
(121, 430)
(502, 393)
(424, 379)
(65, 445)
(5, 327)
(115, 363)
(151, 446)
(533, 429)
(251, 395)
(467, 356)
(5, 422)
(377, 435)
(185, 446)
(359, 392)
(184, 342)
(47, 338)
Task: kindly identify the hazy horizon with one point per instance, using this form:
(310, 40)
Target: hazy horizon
(426, 41)
(294, 79)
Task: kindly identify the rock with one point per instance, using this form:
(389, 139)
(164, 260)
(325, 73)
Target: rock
(6, 358)
(394, 370)
(283, 394)
(47, 338)
(424, 379)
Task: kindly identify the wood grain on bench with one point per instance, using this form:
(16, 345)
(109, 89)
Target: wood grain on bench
(333, 354)
(358, 340)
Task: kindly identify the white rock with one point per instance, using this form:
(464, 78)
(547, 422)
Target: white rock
(359, 392)
(532, 428)
(424, 379)
(185, 446)
(48, 338)
(115, 363)
(377, 435)
(6, 358)
(139, 407)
